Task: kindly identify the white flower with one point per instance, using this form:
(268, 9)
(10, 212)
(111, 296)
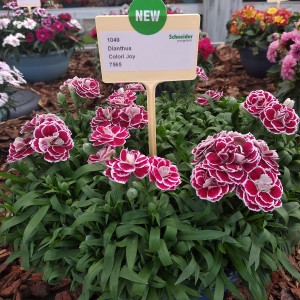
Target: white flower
(75, 23)
(289, 103)
(13, 40)
(20, 36)
(18, 24)
(29, 23)
(3, 99)
(4, 23)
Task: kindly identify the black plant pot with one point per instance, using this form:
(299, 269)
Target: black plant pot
(255, 65)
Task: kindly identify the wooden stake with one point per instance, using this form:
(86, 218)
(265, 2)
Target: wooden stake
(277, 1)
(151, 87)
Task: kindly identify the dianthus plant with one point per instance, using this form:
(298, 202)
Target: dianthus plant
(86, 201)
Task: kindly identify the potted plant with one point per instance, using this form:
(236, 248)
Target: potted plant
(250, 31)
(84, 200)
(284, 53)
(39, 45)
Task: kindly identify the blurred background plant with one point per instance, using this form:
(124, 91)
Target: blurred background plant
(284, 52)
(10, 81)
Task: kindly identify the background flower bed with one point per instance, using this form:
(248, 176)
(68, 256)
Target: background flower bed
(228, 76)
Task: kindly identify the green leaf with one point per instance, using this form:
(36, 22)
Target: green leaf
(200, 235)
(108, 263)
(34, 222)
(154, 239)
(93, 271)
(287, 265)
(188, 271)
(15, 220)
(85, 169)
(219, 289)
(164, 255)
(131, 275)
(131, 251)
(12, 177)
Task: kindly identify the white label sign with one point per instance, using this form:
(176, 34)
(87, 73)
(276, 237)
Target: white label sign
(29, 3)
(168, 55)
(131, 51)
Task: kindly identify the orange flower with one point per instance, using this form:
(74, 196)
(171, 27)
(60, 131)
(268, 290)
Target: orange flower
(233, 28)
(263, 25)
(260, 16)
(272, 10)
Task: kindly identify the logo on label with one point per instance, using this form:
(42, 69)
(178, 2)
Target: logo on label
(147, 17)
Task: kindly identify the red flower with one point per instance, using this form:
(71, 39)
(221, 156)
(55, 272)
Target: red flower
(44, 34)
(257, 101)
(111, 135)
(19, 149)
(53, 140)
(120, 169)
(58, 26)
(278, 118)
(261, 191)
(102, 156)
(205, 48)
(93, 33)
(84, 87)
(207, 187)
(164, 173)
(121, 98)
(30, 37)
(65, 17)
(214, 95)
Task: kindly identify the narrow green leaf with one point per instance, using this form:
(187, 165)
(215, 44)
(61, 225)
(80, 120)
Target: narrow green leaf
(131, 275)
(93, 271)
(219, 289)
(200, 235)
(34, 222)
(154, 239)
(108, 263)
(131, 251)
(188, 271)
(164, 255)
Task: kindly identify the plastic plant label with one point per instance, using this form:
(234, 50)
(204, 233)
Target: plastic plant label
(29, 3)
(147, 17)
(128, 56)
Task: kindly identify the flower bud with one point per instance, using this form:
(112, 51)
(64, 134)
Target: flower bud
(242, 108)
(137, 185)
(132, 193)
(289, 103)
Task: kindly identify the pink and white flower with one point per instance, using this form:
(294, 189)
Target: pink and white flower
(207, 187)
(105, 117)
(214, 95)
(257, 101)
(164, 173)
(53, 140)
(110, 135)
(19, 149)
(278, 118)
(261, 191)
(102, 155)
(129, 162)
(135, 87)
(201, 74)
(121, 98)
(84, 87)
(133, 117)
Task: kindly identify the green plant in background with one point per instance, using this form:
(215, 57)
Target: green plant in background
(122, 227)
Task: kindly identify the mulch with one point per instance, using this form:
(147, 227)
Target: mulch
(228, 76)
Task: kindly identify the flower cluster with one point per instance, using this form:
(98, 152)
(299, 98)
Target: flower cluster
(277, 117)
(45, 134)
(9, 77)
(285, 49)
(39, 32)
(231, 161)
(252, 27)
(110, 129)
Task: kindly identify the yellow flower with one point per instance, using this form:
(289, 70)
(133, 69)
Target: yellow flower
(279, 19)
(249, 12)
(272, 10)
(259, 16)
